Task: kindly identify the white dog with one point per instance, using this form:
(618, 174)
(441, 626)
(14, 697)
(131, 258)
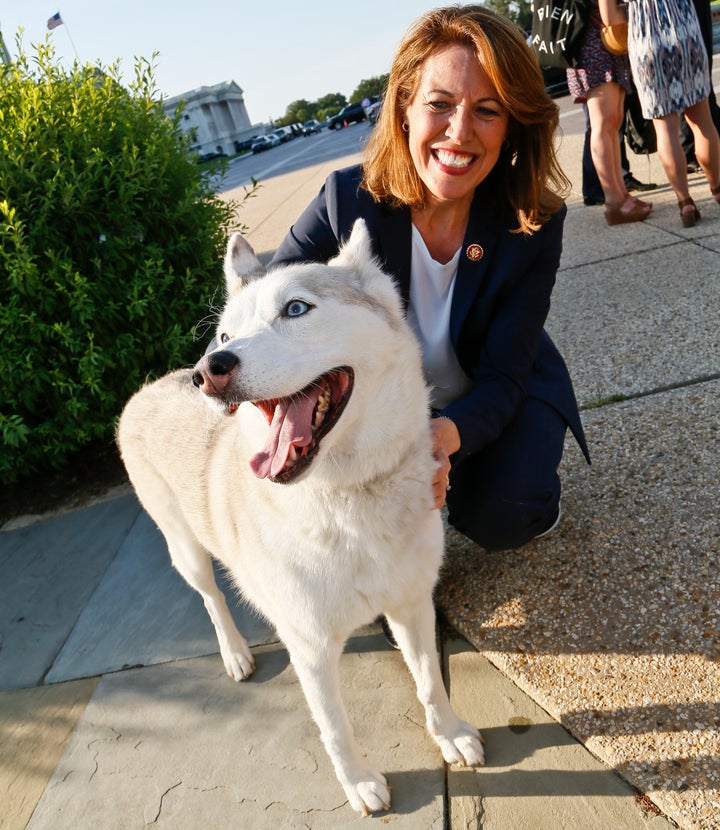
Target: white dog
(309, 478)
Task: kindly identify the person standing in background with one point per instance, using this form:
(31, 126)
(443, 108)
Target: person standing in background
(591, 188)
(702, 9)
(670, 68)
(601, 81)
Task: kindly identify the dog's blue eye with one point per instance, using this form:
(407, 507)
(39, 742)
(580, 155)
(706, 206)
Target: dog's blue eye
(296, 308)
(224, 338)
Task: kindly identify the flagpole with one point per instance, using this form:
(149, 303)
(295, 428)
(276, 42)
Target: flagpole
(58, 20)
(77, 57)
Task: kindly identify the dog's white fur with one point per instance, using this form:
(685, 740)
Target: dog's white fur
(355, 535)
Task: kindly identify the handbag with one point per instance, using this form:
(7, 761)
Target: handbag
(615, 38)
(558, 31)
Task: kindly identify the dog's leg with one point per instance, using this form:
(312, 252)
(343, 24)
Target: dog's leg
(189, 557)
(195, 566)
(366, 788)
(414, 630)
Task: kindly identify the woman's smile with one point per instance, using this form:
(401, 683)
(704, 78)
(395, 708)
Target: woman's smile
(453, 159)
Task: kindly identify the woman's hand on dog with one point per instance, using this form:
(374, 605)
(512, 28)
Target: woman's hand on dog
(446, 442)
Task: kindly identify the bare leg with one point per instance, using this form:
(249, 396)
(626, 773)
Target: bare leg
(605, 109)
(707, 143)
(671, 153)
(672, 157)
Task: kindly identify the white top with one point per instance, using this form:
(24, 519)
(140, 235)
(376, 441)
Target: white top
(431, 292)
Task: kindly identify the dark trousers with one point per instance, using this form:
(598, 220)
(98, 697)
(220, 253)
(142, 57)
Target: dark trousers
(507, 494)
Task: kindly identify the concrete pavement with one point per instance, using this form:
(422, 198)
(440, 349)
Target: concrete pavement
(116, 711)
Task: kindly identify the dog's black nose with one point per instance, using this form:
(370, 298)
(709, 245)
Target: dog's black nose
(222, 363)
(218, 364)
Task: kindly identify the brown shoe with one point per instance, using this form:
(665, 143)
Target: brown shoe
(688, 217)
(631, 210)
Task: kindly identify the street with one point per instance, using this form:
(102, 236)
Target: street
(296, 154)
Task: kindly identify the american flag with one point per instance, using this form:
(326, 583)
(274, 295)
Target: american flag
(54, 21)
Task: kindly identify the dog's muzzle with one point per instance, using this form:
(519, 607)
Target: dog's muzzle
(212, 372)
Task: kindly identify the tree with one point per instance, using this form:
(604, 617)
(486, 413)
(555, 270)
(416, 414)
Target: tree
(299, 111)
(370, 88)
(329, 105)
(518, 11)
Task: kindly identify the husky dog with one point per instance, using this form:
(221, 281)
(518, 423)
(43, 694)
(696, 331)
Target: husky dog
(304, 465)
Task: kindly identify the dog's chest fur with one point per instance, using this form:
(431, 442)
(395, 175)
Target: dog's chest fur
(353, 541)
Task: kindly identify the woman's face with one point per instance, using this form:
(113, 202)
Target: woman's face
(456, 124)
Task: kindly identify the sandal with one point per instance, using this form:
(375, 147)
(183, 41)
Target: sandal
(689, 217)
(646, 205)
(639, 210)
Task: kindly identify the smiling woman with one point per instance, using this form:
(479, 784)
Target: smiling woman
(462, 194)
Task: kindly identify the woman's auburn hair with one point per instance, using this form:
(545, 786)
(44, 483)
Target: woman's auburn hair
(528, 169)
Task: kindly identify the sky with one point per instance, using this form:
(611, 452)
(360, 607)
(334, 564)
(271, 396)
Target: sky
(277, 51)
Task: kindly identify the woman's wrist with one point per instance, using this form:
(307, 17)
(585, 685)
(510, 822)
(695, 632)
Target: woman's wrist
(447, 433)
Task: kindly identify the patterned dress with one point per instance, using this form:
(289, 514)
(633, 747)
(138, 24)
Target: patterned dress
(667, 55)
(595, 65)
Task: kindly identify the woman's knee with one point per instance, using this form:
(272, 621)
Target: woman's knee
(504, 523)
(509, 493)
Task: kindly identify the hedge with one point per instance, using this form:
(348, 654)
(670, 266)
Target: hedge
(111, 242)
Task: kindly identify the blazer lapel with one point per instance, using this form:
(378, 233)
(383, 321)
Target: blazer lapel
(482, 235)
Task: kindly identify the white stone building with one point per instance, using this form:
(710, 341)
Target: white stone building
(216, 117)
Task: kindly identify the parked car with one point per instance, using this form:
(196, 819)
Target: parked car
(312, 126)
(352, 113)
(283, 133)
(211, 156)
(242, 146)
(264, 142)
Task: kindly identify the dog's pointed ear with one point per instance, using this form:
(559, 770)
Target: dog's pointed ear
(357, 251)
(364, 271)
(241, 264)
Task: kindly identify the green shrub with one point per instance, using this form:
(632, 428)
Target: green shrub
(111, 242)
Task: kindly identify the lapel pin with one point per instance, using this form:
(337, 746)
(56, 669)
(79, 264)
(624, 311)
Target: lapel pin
(474, 252)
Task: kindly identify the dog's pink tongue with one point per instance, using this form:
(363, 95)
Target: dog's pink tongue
(291, 427)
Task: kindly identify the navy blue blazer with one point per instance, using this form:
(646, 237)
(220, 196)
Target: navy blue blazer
(499, 306)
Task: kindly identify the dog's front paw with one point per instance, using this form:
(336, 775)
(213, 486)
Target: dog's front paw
(369, 793)
(238, 659)
(462, 746)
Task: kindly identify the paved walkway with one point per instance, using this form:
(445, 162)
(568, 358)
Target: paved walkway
(116, 711)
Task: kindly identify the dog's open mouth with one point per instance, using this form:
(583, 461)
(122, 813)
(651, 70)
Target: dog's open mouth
(299, 423)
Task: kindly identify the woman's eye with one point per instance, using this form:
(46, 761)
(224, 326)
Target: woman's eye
(296, 308)
(224, 337)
